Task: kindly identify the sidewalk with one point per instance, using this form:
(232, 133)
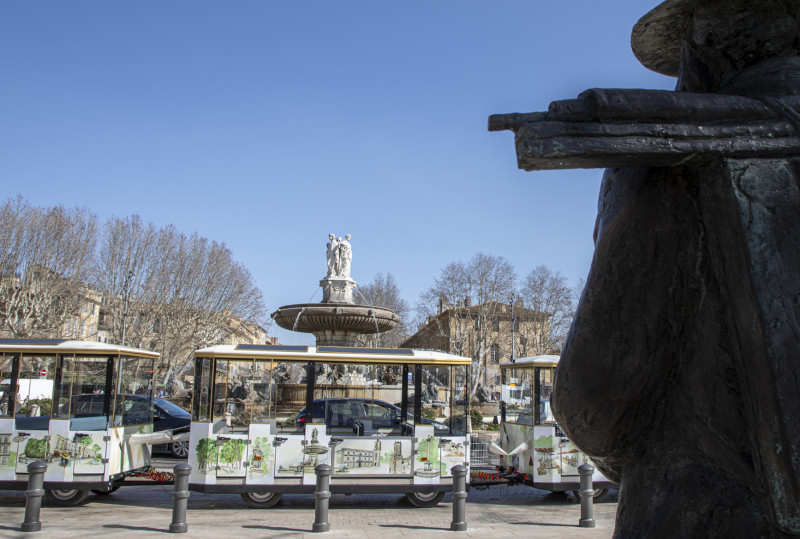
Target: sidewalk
(147, 511)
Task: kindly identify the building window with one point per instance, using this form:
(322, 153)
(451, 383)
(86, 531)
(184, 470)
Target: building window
(496, 324)
(495, 352)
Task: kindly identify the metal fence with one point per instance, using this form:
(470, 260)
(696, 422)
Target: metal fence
(479, 455)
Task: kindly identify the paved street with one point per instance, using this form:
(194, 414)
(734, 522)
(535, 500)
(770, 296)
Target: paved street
(141, 511)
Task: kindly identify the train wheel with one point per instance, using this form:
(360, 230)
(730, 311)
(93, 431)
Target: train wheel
(66, 498)
(425, 499)
(261, 500)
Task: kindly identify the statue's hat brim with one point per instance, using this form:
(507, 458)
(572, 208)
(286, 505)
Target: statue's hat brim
(656, 38)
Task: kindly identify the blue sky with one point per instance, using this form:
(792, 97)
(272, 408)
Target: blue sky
(267, 125)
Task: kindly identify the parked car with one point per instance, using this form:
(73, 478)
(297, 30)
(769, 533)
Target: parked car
(166, 416)
(343, 413)
(169, 416)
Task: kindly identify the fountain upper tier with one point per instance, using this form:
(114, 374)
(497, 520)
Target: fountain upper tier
(335, 324)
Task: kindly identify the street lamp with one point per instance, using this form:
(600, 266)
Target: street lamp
(125, 295)
(512, 327)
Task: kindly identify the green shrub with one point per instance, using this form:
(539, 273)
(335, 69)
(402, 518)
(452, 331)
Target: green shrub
(476, 418)
(45, 405)
(429, 413)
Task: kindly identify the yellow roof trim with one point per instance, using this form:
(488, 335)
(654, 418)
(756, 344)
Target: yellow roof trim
(419, 357)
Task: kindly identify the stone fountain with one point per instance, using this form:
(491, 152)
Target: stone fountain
(337, 320)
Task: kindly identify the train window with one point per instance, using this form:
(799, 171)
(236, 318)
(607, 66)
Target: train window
(6, 365)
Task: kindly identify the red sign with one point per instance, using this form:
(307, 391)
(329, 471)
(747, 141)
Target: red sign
(43, 372)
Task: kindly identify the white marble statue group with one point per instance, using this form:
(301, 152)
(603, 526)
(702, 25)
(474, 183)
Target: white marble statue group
(340, 254)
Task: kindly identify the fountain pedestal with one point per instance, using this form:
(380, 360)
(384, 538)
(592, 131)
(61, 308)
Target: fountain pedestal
(337, 289)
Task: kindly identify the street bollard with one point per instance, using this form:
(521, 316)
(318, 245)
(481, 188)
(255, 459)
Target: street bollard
(322, 497)
(587, 496)
(180, 498)
(33, 496)
(459, 496)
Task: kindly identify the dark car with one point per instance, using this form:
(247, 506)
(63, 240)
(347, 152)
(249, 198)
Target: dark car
(169, 416)
(166, 416)
(343, 413)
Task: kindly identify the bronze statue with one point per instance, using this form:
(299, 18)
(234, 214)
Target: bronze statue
(681, 372)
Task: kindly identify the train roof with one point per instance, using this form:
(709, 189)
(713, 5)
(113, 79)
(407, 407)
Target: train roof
(64, 346)
(333, 354)
(532, 361)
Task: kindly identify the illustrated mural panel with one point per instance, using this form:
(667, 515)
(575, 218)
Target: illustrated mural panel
(289, 456)
(203, 452)
(316, 450)
(232, 455)
(8, 450)
(89, 449)
(452, 453)
(427, 463)
(375, 456)
(261, 457)
(32, 445)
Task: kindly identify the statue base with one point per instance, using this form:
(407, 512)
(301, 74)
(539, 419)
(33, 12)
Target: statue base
(337, 289)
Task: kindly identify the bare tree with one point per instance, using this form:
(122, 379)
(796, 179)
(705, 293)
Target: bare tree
(129, 261)
(208, 295)
(180, 292)
(545, 292)
(46, 261)
(161, 290)
(463, 305)
(383, 292)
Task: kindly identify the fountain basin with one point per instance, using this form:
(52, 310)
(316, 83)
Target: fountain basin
(335, 324)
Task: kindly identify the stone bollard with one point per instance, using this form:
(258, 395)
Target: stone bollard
(587, 496)
(33, 496)
(180, 498)
(322, 497)
(459, 496)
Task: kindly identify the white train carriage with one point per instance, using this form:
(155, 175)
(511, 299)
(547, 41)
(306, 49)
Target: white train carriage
(532, 448)
(385, 420)
(83, 408)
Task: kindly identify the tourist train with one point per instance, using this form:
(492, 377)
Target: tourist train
(385, 420)
(265, 416)
(532, 448)
(88, 444)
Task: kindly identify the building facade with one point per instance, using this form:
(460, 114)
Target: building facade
(490, 333)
